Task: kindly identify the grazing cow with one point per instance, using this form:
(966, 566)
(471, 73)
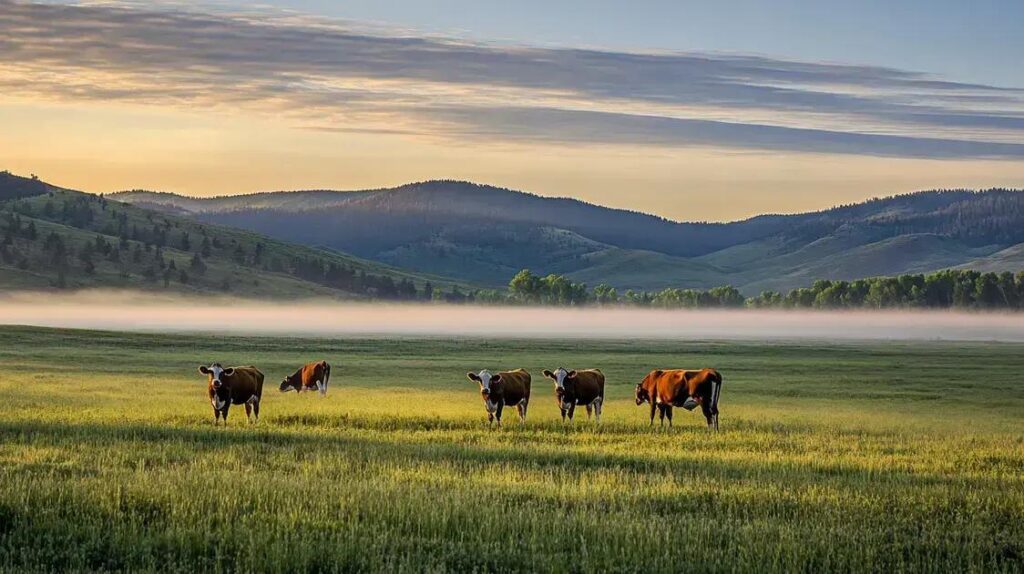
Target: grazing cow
(578, 388)
(234, 386)
(506, 388)
(311, 376)
(679, 388)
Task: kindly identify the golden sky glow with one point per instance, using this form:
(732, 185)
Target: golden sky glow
(268, 102)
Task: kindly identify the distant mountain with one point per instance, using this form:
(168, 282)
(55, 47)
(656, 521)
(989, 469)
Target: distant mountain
(58, 238)
(485, 234)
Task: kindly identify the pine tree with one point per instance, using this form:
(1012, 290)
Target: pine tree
(196, 265)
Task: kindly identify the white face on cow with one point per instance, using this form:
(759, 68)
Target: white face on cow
(559, 377)
(217, 374)
(487, 380)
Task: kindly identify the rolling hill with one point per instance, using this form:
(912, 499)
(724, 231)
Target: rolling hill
(58, 238)
(485, 234)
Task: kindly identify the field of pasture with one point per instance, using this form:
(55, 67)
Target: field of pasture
(832, 457)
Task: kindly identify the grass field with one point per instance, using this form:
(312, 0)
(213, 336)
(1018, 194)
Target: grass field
(832, 457)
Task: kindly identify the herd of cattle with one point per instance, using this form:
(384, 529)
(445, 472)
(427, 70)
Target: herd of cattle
(662, 390)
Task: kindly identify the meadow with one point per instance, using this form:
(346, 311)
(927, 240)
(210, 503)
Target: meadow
(837, 457)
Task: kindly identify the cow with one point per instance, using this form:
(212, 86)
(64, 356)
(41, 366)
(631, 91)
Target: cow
(681, 388)
(312, 376)
(574, 388)
(234, 386)
(505, 388)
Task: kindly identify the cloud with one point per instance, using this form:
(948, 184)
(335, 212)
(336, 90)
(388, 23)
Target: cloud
(581, 127)
(339, 76)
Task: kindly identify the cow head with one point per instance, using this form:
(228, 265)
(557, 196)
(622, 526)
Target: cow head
(642, 396)
(491, 388)
(644, 389)
(292, 383)
(565, 386)
(217, 374)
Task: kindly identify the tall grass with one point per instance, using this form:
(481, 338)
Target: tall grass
(903, 457)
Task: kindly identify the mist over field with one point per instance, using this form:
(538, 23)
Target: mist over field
(122, 311)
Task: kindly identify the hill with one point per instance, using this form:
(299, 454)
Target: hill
(58, 238)
(485, 234)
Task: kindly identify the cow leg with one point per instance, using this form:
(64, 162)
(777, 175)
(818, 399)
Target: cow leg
(490, 419)
(224, 412)
(572, 411)
(705, 407)
(216, 416)
(497, 413)
(322, 387)
(653, 409)
(252, 406)
(597, 409)
(563, 414)
(590, 411)
(661, 416)
(668, 413)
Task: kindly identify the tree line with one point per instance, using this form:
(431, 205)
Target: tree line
(950, 288)
(142, 246)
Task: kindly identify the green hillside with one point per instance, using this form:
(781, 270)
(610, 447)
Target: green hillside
(53, 238)
(486, 234)
(1009, 258)
(833, 258)
(644, 270)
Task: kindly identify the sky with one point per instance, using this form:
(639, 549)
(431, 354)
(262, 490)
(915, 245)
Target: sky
(693, 111)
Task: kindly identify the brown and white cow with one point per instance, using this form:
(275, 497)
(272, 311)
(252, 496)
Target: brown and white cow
(505, 388)
(572, 388)
(312, 376)
(234, 386)
(681, 388)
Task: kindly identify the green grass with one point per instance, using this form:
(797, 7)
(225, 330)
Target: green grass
(873, 457)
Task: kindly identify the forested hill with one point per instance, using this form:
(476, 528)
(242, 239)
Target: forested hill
(486, 234)
(53, 238)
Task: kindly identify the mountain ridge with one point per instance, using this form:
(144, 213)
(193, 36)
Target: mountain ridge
(960, 193)
(484, 234)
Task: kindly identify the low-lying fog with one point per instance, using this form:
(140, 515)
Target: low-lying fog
(135, 312)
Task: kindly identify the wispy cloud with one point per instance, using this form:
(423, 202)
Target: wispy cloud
(336, 75)
(582, 127)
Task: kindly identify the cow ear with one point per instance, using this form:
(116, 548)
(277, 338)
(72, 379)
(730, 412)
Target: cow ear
(495, 379)
(473, 377)
(204, 369)
(659, 373)
(549, 374)
(229, 371)
(571, 374)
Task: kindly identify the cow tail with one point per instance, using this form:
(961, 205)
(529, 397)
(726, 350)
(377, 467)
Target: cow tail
(717, 388)
(327, 373)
